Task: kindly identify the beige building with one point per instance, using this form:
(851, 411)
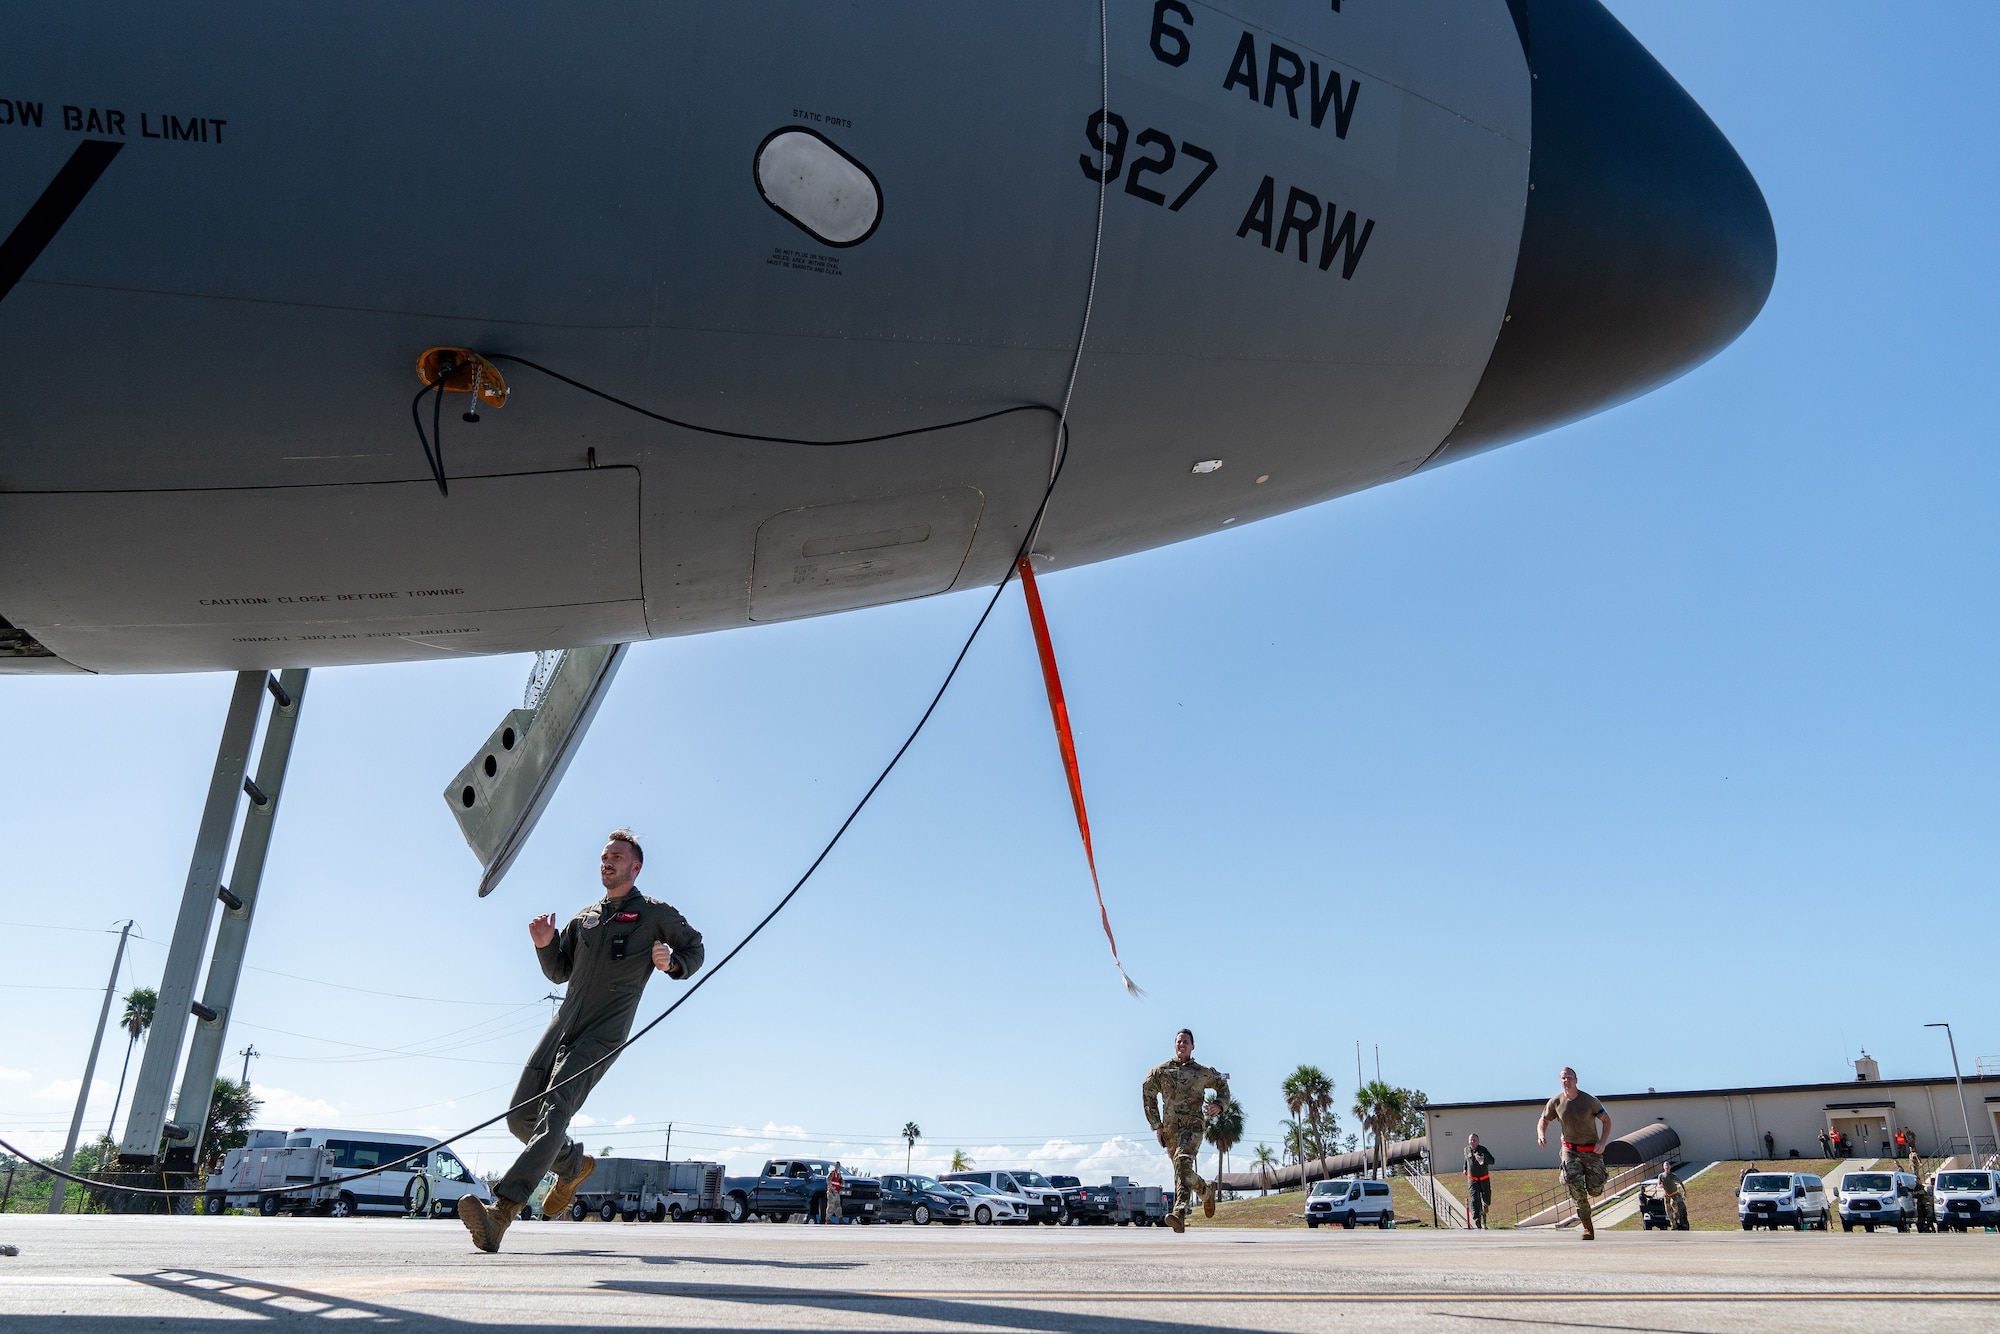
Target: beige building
(1780, 1121)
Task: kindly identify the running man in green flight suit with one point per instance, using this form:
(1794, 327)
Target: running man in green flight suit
(606, 954)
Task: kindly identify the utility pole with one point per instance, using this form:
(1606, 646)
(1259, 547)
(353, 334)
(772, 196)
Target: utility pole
(1971, 1147)
(89, 1073)
(248, 1054)
(670, 1141)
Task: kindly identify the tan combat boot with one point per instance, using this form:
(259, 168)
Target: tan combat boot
(1208, 1200)
(1176, 1222)
(556, 1203)
(487, 1223)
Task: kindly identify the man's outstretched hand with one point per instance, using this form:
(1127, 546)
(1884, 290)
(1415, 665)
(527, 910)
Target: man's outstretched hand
(543, 930)
(663, 959)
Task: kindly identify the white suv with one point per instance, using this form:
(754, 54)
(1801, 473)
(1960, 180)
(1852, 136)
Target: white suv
(1966, 1199)
(1783, 1199)
(1350, 1202)
(1878, 1199)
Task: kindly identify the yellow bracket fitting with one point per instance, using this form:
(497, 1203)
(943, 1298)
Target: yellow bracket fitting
(468, 369)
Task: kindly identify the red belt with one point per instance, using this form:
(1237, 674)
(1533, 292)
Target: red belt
(1484, 1178)
(1580, 1148)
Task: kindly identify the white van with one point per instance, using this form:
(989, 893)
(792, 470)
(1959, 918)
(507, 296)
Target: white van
(1350, 1202)
(446, 1177)
(1783, 1199)
(1870, 1200)
(1966, 1199)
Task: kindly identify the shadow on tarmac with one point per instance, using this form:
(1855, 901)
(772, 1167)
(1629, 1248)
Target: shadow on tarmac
(280, 1303)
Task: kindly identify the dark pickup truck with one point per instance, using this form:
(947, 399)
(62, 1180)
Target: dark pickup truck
(791, 1188)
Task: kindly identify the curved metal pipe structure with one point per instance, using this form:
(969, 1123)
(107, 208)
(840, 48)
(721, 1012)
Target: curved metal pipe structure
(1321, 1169)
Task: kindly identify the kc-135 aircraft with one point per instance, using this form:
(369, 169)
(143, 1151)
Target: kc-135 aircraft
(1323, 244)
(1343, 241)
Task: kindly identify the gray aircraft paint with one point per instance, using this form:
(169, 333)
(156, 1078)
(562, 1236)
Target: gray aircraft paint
(209, 452)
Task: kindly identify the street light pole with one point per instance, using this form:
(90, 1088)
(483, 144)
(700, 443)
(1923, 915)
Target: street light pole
(1971, 1146)
(89, 1073)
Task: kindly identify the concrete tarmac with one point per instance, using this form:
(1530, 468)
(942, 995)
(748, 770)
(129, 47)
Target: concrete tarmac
(212, 1275)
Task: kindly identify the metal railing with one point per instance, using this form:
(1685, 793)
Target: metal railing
(1556, 1201)
(1450, 1213)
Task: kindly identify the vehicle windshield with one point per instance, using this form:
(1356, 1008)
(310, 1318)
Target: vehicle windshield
(926, 1183)
(976, 1187)
(1962, 1181)
(1868, 1181)
(1067, 1183)
(1030, 1179)
(1766, 1183)
(1329, 1188)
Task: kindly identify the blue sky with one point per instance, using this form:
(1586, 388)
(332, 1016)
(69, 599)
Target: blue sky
(1661, 745)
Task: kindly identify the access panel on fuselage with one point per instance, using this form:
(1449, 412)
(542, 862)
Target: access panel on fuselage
(325, 575)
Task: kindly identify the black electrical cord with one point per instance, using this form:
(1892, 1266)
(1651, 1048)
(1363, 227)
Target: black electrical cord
(435, 460)
(433, 443)
(1055, 472)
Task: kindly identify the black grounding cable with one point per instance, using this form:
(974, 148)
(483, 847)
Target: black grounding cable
(1027, 542)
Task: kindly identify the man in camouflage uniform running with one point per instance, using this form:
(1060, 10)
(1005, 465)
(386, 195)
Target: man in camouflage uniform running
(1586, 1126)
(1176, 1111)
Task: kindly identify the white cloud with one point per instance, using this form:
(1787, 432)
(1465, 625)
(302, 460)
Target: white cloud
(626, 1120)
(284, 1108)
(6, 1073)
(584, 1119)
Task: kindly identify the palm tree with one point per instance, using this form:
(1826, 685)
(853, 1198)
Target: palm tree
(1224, 1131)
(1265, 1160)
(960, 1160)
(910, 1137)
(230, 1113)
(1308, 1093)
(1380, 1108)
(139, 1007)
(1294, 1141)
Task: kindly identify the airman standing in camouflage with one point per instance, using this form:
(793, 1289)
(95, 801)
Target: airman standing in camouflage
(1585, 1128)
(1176, 1111)
(605, 954)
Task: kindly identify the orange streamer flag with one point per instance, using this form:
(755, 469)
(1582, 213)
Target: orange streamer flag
(1059, 711)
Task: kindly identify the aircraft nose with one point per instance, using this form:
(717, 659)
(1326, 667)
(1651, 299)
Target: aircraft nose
(1647, 246)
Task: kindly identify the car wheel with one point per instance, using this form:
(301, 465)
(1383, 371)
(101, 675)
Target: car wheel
(1846, 1226)
(921, 1215)
(734, 1209)
(1387, 1220)
(982, 1215)
(1869, 1228)
(342, 1207)
(268, 1206)
(214, 1203)
(606, 1212)
(1748, 1226)
(1347, 1221)
(1799, 1224)
(1310, 1222)
(675, 1212)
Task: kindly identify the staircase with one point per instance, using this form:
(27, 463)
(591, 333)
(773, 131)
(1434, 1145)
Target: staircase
(1450, 1213)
